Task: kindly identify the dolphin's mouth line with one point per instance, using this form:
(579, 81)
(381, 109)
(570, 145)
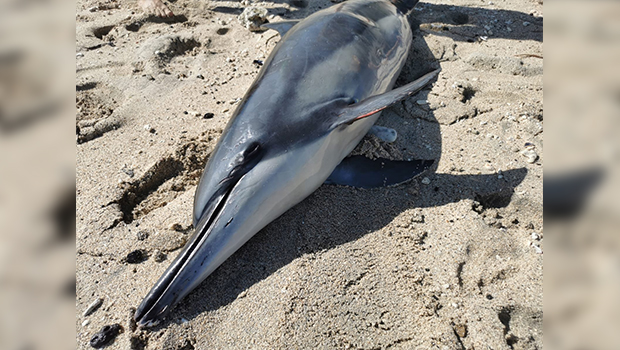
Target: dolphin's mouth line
(202, 231)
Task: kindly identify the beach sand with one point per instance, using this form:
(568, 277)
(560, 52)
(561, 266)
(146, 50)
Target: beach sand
(451, 260)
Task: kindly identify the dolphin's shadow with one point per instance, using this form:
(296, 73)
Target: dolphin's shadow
(342, 219)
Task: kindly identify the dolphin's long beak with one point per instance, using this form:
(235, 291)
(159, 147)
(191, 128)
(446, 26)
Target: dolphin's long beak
(208, 247)
(182, 275)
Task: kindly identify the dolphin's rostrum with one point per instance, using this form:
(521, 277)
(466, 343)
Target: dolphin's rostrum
(317, 95)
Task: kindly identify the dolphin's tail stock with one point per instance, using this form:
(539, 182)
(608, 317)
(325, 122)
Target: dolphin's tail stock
(404, 6)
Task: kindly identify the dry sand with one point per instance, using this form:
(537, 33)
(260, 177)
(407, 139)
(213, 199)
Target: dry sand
(452, 260)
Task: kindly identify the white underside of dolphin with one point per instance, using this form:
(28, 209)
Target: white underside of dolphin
(319, 92)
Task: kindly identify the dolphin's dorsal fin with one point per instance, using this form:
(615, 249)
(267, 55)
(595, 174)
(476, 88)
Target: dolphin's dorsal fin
(281, 27)
(362, 172)
(377, 103)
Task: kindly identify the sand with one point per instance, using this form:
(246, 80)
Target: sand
(451, 260)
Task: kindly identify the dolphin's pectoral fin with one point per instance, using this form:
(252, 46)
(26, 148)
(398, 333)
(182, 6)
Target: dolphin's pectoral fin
(281, 27)
(384, 134)
(375, 104)
(359, 171)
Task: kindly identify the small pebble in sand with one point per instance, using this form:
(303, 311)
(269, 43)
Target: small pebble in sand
(461, 330)
(85, 322)
(530, 155)
(426, 181)
(127, 171)
(417, 218)
(176, 227)
(93, 307)
(537, 249)
(105, 336)
(136, 257)
(489, 168)
(142, 235)
(535, 236)
(384, 134)
(158, 256)
(208, 115)
(252, 18)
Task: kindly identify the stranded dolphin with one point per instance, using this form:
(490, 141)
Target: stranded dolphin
(317, 95)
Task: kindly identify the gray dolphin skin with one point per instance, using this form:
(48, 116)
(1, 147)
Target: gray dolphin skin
(317, 95)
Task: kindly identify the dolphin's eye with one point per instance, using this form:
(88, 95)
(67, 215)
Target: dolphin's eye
(252, 150)
(250, 157)
(245, 162)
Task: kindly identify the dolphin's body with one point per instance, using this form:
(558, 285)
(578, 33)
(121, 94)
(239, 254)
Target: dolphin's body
(317, 95)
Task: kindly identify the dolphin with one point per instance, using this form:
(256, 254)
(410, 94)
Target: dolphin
(319, 92)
